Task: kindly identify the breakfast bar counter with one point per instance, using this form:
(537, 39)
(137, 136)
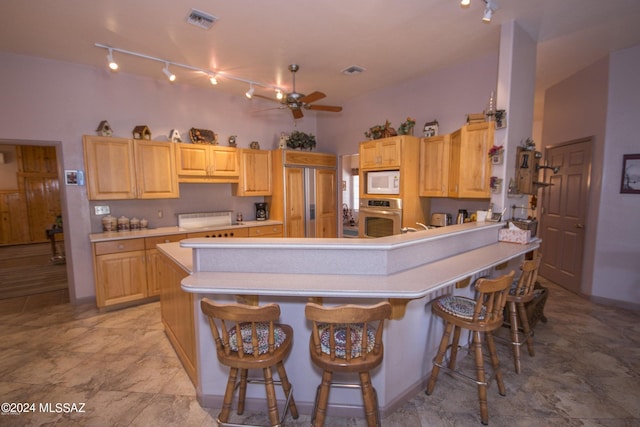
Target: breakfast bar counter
(410, 270)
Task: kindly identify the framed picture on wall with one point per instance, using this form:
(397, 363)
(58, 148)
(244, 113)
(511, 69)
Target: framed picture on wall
(630, 174)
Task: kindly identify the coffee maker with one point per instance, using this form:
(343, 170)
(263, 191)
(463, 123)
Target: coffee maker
(261, 211)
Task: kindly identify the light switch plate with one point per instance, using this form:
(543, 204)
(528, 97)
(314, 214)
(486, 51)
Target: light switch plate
(102, 210)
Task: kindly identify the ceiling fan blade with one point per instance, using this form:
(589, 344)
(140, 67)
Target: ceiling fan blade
(297, 113)
(265, 97)
(312, 97)
(333, 108)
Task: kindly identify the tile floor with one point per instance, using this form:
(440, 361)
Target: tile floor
(586, 372)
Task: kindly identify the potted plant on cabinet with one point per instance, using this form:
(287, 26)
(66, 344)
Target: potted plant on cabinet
(301, 140)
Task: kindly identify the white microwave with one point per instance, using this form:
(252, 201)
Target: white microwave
(383, 182)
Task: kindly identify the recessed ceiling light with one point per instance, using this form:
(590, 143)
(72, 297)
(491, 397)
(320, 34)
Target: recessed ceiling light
(352, 70)
(201, 19)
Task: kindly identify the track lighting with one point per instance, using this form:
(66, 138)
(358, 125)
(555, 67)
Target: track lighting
(490, 7)
(279, 94)
(169, 74)
(249, 93)
(112, 64)
(465, 3)
(211, 75)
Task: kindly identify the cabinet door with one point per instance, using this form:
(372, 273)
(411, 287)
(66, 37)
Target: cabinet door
(120, 277)
(192, 159)
(156, 170)
(369, 157)
(255, 173)
(294, 202)
(326, 212)
(475, 164)
(110, 168)
(266, 231)
(153, 258)
(434, 166)
(390, 151)
(224, 162)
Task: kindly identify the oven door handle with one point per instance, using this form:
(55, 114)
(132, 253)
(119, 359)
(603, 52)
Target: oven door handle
(381, 211)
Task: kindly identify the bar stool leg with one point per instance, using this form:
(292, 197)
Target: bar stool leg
(369, 398)
(243, 390)
(526, 328)
(286, 386)
(495, 363)
(515, 336)
(272, 404)
(444, 343)
(322, 400)
(453, 354)
(228, 395)
(480, 374)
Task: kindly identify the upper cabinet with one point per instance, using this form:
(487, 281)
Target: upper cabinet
(207, 163)
(255, 173)
(120, 168)
(381, 153)
(457, 165)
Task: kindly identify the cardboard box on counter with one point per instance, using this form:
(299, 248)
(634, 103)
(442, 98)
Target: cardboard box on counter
(514, 236)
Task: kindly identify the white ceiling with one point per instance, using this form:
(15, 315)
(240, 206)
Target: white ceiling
(394, 41)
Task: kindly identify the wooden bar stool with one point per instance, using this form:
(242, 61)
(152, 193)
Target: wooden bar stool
(347, 338)
(484, 314)
(264, 344)
(521, 292)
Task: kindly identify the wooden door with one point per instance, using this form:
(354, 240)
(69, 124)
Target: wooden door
(326, 211)
(156, 170)
(224, 162)
(475, 164)
(110, 168)
(255, 173)
(294, 202)
(390, 150)
(434, 166)
(192, 159)
(121, 277)
(564, 207)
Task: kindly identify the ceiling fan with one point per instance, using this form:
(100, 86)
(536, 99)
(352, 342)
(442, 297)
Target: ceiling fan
(297, 101)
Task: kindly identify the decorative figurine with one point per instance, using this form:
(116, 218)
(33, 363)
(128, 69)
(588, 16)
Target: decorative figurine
(141, 132)
(254, 145)
(232, 140)
(174, 136)
(430, 129)
(283, 140)
(104, 129)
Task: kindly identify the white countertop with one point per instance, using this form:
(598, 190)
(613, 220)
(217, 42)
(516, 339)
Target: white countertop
(166, 231)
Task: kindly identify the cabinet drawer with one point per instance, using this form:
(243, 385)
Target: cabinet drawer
(151, 242)
(266, 230)
(116, 246)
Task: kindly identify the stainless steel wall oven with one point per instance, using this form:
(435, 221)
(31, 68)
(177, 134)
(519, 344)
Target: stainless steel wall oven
(380, 217)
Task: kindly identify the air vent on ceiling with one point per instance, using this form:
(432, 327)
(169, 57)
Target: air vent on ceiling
(353, 70)
(201, 19)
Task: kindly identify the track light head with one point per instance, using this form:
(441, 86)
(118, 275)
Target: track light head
(491, 6)
(249, 93)
(279, 94)
(213, 79)
(113, 65)
(169, 74)
(465, 3)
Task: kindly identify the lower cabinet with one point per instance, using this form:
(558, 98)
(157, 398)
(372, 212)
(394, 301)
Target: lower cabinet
(266, 231)
(120, 271)
(152, 255)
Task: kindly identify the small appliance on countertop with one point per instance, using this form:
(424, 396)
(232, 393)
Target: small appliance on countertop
(440, 219)
(261, 212)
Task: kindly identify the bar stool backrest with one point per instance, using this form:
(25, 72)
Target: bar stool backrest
(490, 300)
(527, 280)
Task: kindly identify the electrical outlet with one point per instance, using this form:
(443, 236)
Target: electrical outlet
(102, 210)
(160, 213)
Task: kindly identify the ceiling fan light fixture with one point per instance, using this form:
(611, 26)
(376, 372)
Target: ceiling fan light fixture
(113, 65)
(249, 93)
(169, 74)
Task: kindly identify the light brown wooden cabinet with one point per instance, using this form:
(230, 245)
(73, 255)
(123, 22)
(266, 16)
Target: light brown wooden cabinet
(292, 171)
(266, 231)
(152, 258)
(255, 173)
(457, 165)
(381, 153)
(119, 168)
(120, 271)
(207, 163)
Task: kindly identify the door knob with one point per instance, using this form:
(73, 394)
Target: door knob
(579, 226)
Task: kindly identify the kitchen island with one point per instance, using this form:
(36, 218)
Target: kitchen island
(410, 270)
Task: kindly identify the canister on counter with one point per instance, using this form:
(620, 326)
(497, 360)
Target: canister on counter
(134, 224)
(144, 223)
(109, 223)
(123, 223)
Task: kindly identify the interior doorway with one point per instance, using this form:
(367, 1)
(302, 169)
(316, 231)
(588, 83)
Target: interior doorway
(564, 210)
(32, 261)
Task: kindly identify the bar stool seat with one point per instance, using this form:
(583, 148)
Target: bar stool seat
(347, 338)
(481, 315)
(263, 344)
